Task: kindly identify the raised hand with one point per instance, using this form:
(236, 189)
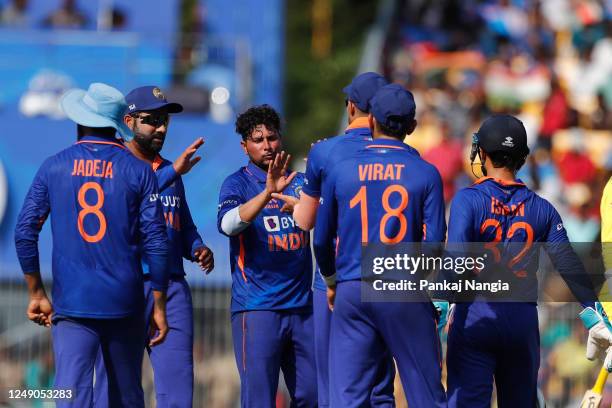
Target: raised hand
(184, 163)
(277, 179)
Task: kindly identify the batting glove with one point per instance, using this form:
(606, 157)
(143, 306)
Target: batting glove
(442, 307)
(600, 333)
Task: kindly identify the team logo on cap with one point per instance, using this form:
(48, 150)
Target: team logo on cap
(508, 142)
(158, 93)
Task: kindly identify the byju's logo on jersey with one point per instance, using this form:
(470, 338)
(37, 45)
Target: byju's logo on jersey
(272, 223)
(509, 142)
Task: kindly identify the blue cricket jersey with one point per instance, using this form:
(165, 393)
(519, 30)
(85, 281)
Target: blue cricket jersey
(492, 210)
(104, 212)
(323, 155)
(386, 193)
(183, 237)
(271, 262)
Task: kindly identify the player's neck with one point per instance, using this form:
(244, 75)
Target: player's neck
(138, 153)
(500, 173)
(383, 136)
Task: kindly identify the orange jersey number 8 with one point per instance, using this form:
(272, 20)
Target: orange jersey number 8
(361, 199)
(91, 209)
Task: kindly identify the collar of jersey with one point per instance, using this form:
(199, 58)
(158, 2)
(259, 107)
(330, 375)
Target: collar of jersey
(157, 162)
(359, 123)
(255, 172)
(101, 140)
(390, 143)
(517, 182)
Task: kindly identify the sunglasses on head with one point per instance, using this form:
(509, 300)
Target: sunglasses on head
(155, 120)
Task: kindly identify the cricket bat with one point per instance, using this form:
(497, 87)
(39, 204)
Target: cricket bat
(592, 398)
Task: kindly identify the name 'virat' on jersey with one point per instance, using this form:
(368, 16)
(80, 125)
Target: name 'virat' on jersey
(271, 259)
(384, 194)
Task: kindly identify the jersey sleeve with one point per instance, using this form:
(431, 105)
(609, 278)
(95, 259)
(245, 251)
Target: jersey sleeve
(314, 170)
(191, 238)
(231, 196)
(434, 223)
(32, 217)
(566, 261)
(325, 230)
(166, 175)
(606, 224)
(461, 219)
(153, 231)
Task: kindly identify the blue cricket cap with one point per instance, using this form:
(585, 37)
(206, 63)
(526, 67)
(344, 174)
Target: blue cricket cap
(147, 98)
(363, 87)
(393, 106)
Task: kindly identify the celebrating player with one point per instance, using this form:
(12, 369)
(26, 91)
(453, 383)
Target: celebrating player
(501, 340)
(271, 269)
(148, 117)
(321, 158)
(103, 216)
(359, 207)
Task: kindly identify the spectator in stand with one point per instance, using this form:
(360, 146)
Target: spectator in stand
(554, 116)
(580, 222)
(447, 158)
(575, 166)
(602, 117)
(67, 16)
(14, 14)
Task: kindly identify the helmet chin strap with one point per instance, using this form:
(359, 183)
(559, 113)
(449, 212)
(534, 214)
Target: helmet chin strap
(482, 165)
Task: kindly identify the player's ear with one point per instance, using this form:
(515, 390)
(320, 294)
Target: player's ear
(128, 120)
(244, 147)
(371, 122)
(411, 127)
(351, 108)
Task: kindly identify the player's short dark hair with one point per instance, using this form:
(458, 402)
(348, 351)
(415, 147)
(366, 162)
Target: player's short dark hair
(504, 159)
(265, 115)
(83, 131)
(396, 133)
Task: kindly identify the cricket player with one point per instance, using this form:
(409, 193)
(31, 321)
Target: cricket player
(321, 158)
(104, 215)
(271, 268)
(500, 341)
(148, 117)
(386, 206)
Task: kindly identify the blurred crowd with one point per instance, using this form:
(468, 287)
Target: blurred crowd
(14, 14)
(548, 62)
